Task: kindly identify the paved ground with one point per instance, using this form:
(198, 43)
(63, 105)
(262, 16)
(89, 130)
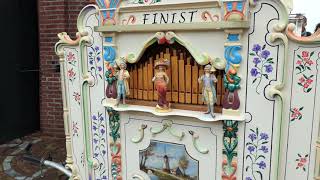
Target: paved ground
(12, 166)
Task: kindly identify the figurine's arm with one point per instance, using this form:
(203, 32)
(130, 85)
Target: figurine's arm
(127, 75)
(200, 79)
(166, 78)
(214, 78)
(154, 78)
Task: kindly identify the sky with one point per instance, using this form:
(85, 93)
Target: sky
(311, 9)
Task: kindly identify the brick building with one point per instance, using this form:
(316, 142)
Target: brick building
(55, 16)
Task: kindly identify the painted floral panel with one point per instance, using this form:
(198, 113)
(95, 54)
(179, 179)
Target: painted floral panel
(95, 63)
(258, 147)
(304, 65)
(263, 65)
(99, 142)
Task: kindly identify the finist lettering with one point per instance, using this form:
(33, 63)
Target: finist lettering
(169, 17)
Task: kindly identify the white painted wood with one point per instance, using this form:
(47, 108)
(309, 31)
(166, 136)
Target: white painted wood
(210, 136)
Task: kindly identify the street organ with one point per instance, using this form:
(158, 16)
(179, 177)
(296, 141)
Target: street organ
(190, 90)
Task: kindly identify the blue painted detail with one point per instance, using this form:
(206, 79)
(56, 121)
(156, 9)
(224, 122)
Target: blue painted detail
(240, 6)
(229, 6)
(233, 37)
(109, 54)
(232, 55)
(108, 14)
(108, 39)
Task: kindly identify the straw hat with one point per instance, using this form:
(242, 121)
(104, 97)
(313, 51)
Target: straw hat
(162, 62)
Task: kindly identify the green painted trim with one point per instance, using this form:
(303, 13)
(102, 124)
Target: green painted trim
(174, 27)
(85, 97)
(275, 92)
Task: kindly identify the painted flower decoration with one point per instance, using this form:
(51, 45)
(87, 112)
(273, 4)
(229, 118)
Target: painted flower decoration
(265, 54)
(258, 148)
(256, 60)
(264, 136)
(263, 64)
(99, 140)
(252, 136)
(264, 149)
(262, 165)
(77, 97)
(230, 130)
(269, 68)
(256, 48)
(71, 75)
(95, 63)
(304, 67)
(305, 82)
(302, 162)
(75, 129)
(254, 72)
(251, 149)
(296, 114)
(71, 59)
(304, 61)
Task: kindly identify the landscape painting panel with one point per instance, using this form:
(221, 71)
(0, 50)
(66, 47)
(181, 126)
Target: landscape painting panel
(168, 161)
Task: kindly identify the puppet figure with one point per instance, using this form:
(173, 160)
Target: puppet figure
(161, 81)
(111, 90)
(122, 83)
(209, 91)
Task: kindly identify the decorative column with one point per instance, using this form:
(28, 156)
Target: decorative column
(230, 144)
(109, 56)
(231, 101)
(115, 144)
(233, 11)
(64, 41)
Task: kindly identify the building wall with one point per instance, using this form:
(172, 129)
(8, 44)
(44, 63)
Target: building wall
(55, 16)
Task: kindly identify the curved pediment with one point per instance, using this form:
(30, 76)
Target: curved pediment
(169, 38)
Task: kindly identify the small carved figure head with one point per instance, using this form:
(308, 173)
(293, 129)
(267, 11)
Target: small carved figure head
(123, 65)
(207, 68)
(162, 64)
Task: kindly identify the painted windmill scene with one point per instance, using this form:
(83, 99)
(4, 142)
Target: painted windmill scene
(168, 161)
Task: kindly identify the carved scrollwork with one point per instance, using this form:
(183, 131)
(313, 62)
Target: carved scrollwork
(140, 137)
(199, 148)
(163, 127)
(131, 20)
(207, 15)
(65, 38)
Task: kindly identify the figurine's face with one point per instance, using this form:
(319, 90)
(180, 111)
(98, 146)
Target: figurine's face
(162, 68)
(122, 66)
(207, 70)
